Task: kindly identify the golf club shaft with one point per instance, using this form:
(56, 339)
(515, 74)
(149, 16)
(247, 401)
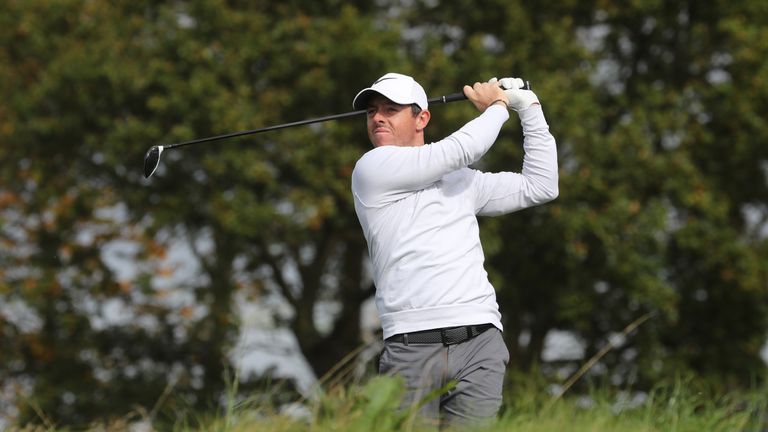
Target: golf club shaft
(152, 157)
(442, 99)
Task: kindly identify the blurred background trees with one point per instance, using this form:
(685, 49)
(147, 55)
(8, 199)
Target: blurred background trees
(657, 108)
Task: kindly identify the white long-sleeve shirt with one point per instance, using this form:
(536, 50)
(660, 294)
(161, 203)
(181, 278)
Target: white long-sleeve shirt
(417, 207)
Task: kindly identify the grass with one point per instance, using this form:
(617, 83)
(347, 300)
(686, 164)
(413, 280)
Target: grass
(372, 407)
(675, 409)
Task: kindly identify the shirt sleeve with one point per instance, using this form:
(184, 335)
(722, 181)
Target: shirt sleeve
(505, 192)
(389, 173)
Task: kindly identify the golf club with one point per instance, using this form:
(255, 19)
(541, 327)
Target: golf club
(152, 157)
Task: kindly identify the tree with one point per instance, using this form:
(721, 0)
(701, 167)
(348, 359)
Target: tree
(662, 207)
(661, 170)
(87, 85)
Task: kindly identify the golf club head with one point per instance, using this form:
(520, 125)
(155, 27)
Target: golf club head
(152, 160)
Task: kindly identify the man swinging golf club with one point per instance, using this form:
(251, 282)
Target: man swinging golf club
(418, 205)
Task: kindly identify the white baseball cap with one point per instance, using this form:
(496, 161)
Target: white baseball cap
(398, 88)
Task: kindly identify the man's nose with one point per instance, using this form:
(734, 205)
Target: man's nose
(377, 116)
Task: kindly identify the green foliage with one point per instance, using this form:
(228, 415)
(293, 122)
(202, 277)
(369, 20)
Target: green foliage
(373, 406)
(683, 405)
(657, 108)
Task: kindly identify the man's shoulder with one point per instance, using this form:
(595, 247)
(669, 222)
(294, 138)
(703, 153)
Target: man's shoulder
(375, 153)
(368, 168)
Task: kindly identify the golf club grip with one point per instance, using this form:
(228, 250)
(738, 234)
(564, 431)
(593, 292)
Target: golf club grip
(453, 97)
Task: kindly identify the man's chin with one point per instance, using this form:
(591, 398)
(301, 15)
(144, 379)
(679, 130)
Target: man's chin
(381, 141)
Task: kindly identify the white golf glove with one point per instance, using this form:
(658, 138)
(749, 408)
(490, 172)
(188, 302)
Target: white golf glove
(519, 98)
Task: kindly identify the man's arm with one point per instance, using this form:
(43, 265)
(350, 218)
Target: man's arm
(505, 192)
(389, 173)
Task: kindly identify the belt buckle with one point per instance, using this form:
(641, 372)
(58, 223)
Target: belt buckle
(444, 336)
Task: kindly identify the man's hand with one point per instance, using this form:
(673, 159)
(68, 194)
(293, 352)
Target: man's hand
(484, 95)
(518, 98)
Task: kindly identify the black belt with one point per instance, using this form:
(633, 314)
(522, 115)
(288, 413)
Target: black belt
(445, 336)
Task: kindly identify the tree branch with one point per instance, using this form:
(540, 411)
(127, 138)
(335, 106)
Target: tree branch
(277, 275)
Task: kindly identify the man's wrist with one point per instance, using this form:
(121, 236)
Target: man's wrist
(496, 102)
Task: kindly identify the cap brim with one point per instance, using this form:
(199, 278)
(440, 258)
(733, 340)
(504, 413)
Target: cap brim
(360, 101)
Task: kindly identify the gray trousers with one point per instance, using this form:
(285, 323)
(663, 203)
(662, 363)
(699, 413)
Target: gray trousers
(477, 367)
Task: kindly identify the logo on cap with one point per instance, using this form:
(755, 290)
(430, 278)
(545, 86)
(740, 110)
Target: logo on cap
(398, 88)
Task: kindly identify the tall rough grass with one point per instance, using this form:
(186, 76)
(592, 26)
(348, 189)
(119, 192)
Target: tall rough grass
(373, 407)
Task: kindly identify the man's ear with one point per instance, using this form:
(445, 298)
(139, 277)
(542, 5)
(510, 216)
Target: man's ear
(422, 119)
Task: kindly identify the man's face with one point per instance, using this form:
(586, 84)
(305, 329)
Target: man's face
(394, 124)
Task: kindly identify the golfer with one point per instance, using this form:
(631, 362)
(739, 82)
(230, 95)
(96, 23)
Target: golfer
(418, 205)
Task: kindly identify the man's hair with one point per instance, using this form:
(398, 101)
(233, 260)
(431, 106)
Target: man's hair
(415, 109)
